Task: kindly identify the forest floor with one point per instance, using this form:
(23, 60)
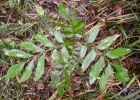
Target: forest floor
(112, 16)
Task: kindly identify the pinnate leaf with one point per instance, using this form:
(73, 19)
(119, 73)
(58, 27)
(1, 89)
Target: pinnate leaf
(117, 52)
(17, 53)
(96, 69)
(105, 43)
(88, 59)
(93, 35)
(40, 67)
(15, 70)
(28, 71)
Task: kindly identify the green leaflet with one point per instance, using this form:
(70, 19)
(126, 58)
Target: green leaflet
(122, 76)
(68, 68)
(93, 35)
(63, 11)
(65, 54)
(17, 53)
(55, 82)
(96, 69)
(40, 67)
(65, 86)
(67, 78)
(105, 43)
(104, 78)
(60, 91)
(43, 40)
(9, 42)
(55, 55)
(15, 70)
(78, 45)
(117, 52)
(58, 37)
(88, 59)
(121, 73)
(28, 71)
(78, 26)
(30, 46)
(74, 16)
(83, 51)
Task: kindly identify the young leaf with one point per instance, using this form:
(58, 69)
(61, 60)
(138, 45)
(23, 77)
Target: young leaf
(104, 78)
(30, 46)
(65, 54)
(117, 52)
(121, 73)
(83, 51)
(78, 26)
(74, 16)
(61, 91)
(107, 42)
(93, 35)
(55, 55)
(15, 70)
(63, 11)
(96, 69)
(43, 40)
(88, 59)
(40, 67)
(58, 37)
(28, 71)
(17, 53)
